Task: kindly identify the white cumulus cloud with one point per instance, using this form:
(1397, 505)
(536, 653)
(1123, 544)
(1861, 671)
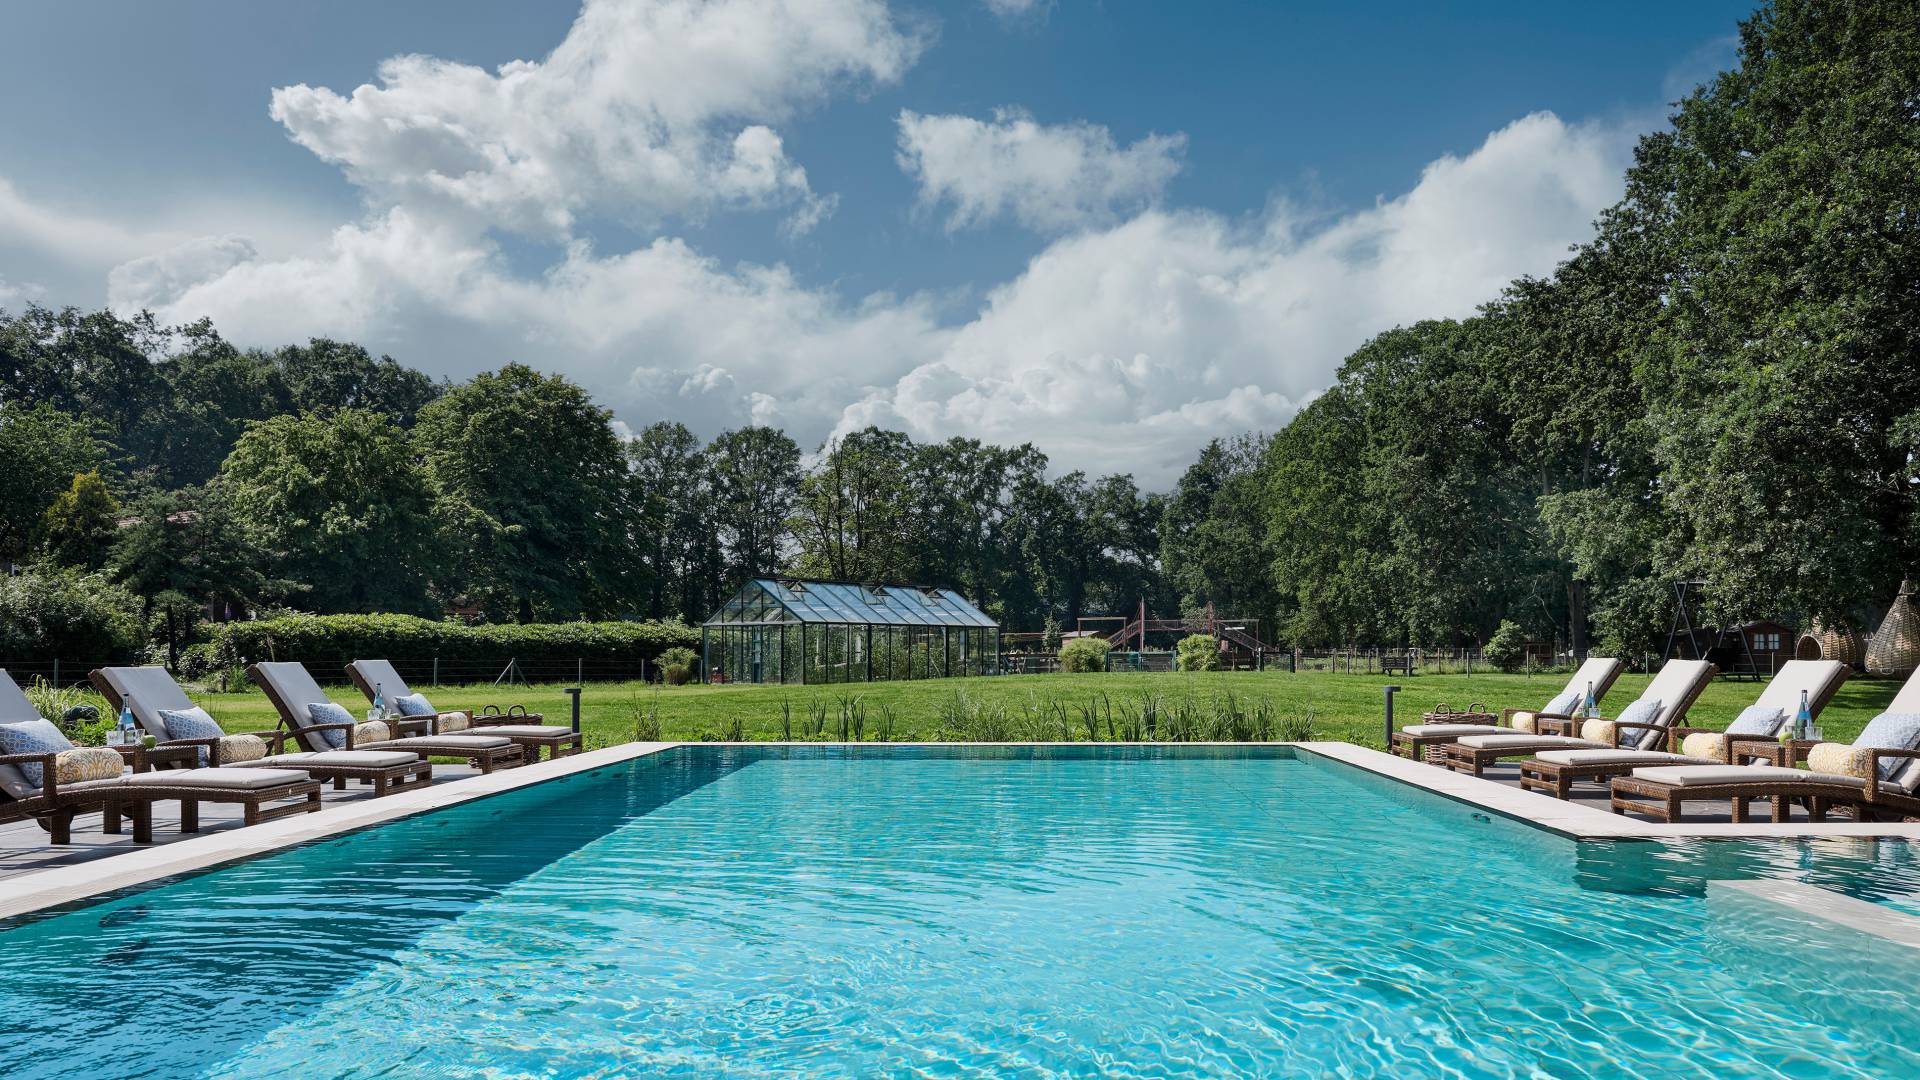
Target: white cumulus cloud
(645, 112)
(1048, 177)
(1128, 347)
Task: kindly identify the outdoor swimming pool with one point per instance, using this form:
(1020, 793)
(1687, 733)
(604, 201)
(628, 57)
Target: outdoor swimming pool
(967, 912)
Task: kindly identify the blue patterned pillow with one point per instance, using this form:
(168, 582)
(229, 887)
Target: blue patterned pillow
(415, 705)
(1758, 720)
(1892, 731)
(32, 737)
(1566, 703)
(1643, 711)
(191, 723)
(326, 712)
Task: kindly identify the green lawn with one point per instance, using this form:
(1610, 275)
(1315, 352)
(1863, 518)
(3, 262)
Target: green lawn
(1344, 707)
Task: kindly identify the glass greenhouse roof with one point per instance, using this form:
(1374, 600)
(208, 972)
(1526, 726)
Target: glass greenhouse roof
(795, 600)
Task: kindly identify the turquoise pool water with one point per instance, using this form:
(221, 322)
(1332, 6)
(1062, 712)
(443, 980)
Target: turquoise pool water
(960, 912)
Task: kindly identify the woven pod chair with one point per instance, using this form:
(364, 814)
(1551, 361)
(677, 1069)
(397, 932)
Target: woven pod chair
(1895, 648)
(1823, 642)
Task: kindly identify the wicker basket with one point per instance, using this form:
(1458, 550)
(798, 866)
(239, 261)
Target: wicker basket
(1895, 648)
(1823, 642)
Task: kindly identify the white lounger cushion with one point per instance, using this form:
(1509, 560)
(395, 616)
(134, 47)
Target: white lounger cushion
(522, 729)
(1454, 729)
(222, 777)
(1620, 757)
(1706, 775)
(374, 759)
(468, 742)
(1520, 741)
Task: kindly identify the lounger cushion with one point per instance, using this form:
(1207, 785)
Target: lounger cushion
(414, 705)
(465, 742)
(326, 712)
(371, 759)
(372, 731)
(194, 723)
(453, 721)
(1892, 731)
(1758, 720)
(1519, 743)
(1619, 757)
(1453, 729)
(32, 737)
(215, 778)
(1702, 775)
(505, 730)
(85, 763)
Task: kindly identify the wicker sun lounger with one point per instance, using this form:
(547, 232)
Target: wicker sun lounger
(1820, 678)
(515, 723)
(1660, 792)
(54, 804)
(1554, 772)
(1420, 742)
(292, 689)
(1677, 686)
(152, 689)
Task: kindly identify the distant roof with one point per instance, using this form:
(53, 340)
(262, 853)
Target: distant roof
(807, 600)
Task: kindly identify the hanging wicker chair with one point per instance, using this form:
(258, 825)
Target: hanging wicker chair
(1823, 642)
(1895, 648)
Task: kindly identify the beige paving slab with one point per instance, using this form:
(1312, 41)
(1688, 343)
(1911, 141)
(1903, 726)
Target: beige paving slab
(32, 892)
(1582, 822)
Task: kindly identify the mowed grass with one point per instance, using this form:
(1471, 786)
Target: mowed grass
(1343, 707)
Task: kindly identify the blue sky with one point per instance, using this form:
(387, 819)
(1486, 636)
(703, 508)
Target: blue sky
(1110, 228)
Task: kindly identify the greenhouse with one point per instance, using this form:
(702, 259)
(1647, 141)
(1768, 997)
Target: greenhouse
(793, 630)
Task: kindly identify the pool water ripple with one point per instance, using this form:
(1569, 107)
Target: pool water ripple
(970, 912)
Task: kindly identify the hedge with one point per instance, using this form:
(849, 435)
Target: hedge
(60, 614)
(331, 637)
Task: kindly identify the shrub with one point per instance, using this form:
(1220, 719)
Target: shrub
(676, 665)
(50, 613)
(1507, 648)
(1083, 655)
(1197, 652)
(338, 638)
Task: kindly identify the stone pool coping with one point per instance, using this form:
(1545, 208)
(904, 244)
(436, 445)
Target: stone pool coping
(61, 885)
(1584, 822)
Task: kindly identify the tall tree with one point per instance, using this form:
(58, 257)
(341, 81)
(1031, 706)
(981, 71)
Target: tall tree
(183, 551)
(78, 528)
(1213, 536)
(755, 478)
(41, 450)
(851, 520)
(674, 527)
(339, 504)
(325, 373)
(530, 484)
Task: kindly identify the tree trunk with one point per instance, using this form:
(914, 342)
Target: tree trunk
(173, 644)
(526, 608)
(1577, 618)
